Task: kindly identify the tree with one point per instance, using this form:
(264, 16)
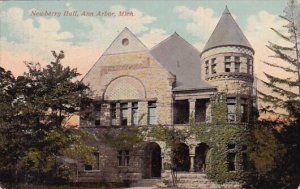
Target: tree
(285, 96)
(33, 131)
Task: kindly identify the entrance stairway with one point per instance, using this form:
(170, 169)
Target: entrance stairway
(192, 180)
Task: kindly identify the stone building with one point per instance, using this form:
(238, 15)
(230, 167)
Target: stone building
(171, 85)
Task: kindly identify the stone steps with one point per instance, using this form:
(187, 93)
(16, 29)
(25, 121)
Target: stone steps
(153, 183)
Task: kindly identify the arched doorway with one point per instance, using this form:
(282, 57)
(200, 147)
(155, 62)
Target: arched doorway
(181, 158)
(200, 157)
(152, 161)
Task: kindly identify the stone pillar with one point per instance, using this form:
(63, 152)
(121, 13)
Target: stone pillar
(192, 105)
(129, 116)
(118, 114)
(192, 159)
(143, 112)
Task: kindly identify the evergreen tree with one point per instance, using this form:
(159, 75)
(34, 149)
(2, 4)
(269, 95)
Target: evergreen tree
(285, 96)
(286, 91)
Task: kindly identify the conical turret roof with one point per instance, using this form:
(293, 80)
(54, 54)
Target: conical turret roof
(227, 32)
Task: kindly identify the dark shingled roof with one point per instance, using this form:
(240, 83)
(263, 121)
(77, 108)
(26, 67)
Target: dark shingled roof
(227, 32)
(183, 60)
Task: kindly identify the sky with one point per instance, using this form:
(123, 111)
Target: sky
(27, 36)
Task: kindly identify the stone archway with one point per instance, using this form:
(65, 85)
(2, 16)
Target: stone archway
(152, 161)
(181, 158)
(200, 157)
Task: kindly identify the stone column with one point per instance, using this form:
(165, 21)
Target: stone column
(118, 114)
(192, 105)
(192, 158)
(129, 115)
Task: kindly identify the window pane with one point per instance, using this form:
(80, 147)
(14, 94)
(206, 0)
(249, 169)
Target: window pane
(237, 67)
(113, 114)
(227, 58)
(227, 67)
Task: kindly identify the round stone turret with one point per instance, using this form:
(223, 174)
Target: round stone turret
(227, 58)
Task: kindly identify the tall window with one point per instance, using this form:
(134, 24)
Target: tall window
(237, 64)
(244, 108)
(97, 115)
(231, 109)
(231, 157)
(248, 65)
(245, 161)
(135, 113)
(213, 66)
(152, 113)
(227, 63)
(206, 67)
(113, 114)
(123, 157)
(97, 157)
(124, 113)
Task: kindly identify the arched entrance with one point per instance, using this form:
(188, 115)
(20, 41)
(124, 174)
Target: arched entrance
(200, 157)
(181, 157)
(152, 161)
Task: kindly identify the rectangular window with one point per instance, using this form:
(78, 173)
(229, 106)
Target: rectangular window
(231, 110)
(248, 65)
(213, 66)
(227, 66)
(97, 115)
(135, 113)
(244, 110)
(113, 114)
(237, 66)
(227, 59)
(151, 113)
(245, 160)
(123, 158)
(124, 114)
(97, 157)
(231, 161)
(231, 157)
(206, 67)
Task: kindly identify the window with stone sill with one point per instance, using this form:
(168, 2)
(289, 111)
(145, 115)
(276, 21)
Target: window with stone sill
(245, 160)
(237, 64)
(231, 157)
(231, 115)
(97, 114)
(152, 113)
(134, 112)
(206, 67)
(123, 158)
(244, 110)
(113, 114)
(227, 66)
(124, 114)
(213, 66)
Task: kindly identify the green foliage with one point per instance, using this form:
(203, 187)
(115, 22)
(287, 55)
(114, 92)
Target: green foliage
(268, 149)
(283, 148)
(32, 113)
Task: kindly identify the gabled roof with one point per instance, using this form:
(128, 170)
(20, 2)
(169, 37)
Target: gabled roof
(125, 42)
(181, 59)
(227, 32)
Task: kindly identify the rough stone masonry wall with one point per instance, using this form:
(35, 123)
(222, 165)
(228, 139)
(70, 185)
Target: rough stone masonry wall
(132, 76)
(229, 82)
